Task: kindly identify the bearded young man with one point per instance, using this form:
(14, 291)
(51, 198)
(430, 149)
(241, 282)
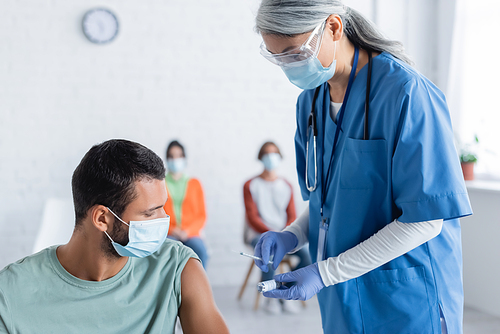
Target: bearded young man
(118, 273)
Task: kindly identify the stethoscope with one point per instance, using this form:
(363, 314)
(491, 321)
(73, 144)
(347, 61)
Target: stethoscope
(312, 126)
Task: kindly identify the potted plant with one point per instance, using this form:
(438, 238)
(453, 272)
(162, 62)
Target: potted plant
(468, 158)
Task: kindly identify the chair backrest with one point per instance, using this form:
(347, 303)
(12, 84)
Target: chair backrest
(57, 225)
(248, 233)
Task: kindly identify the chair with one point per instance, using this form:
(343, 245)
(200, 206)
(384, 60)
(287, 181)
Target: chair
(58, 222)
(285, 261)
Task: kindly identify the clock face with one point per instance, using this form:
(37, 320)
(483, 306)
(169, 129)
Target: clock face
(100, 25)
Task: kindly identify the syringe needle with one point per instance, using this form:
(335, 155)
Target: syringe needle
(253, 257)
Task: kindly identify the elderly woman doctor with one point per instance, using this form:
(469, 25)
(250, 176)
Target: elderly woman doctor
(376, 160)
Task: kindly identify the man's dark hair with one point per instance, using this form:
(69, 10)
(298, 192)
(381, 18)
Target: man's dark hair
(107, 175)
(174, 143)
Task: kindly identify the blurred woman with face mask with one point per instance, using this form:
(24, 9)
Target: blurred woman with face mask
(185, 204)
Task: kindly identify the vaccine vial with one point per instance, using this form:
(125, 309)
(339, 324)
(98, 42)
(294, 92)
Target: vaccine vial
(269, 285)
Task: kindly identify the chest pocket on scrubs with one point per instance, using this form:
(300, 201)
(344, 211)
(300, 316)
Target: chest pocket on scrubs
(363, 164)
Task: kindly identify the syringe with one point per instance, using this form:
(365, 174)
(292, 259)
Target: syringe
(253, 257)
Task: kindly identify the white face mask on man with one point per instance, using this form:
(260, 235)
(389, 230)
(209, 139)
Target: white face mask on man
(144, 237)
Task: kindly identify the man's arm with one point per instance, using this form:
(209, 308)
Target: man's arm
(198, 312)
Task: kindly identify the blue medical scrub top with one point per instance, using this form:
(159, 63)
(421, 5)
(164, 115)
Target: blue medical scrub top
(407, 170)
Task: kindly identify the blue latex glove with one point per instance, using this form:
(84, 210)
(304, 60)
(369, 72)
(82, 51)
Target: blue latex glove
(307, 281)
(275, 244)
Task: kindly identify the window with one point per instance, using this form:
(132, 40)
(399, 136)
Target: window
(476, 70)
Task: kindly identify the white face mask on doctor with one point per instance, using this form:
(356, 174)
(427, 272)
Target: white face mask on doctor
(301, 65)
(144, 237)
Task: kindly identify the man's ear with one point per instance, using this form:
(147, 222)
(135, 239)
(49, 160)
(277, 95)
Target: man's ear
(335, 27)
(101, 218)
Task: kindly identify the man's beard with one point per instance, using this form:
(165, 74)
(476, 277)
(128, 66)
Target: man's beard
(119, 234)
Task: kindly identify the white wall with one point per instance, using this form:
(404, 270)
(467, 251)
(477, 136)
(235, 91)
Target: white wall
(184, 70)
(414, 23)
(481, 250)
(176, 70)
(444, 34)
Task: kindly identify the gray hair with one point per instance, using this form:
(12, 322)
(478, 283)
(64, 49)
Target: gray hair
(294, 17)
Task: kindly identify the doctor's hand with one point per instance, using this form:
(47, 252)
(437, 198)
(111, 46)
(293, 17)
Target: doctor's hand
(307, 281)
(275, 244)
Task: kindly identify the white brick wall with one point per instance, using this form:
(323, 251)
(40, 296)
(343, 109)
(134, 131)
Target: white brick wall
(185, 70)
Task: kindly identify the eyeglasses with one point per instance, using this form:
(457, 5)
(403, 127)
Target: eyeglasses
(296, 57)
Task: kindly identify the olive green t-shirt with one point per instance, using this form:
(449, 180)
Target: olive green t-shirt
(37, 295)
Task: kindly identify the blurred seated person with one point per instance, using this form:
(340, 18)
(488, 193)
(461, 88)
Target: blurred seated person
(118, 273)
(186, 203)
(269, 206)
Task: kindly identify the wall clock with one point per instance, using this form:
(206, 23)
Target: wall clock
(100, 25)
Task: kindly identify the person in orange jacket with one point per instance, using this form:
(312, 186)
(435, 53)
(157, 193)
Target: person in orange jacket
(185, 204)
